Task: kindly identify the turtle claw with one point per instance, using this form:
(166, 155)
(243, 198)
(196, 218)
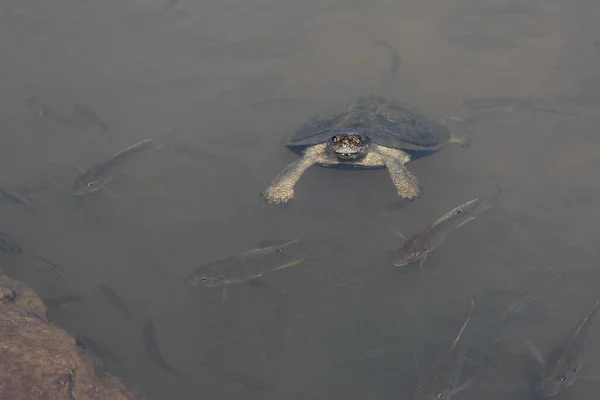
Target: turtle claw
(278, 197)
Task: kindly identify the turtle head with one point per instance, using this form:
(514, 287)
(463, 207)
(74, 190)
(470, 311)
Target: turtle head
(349, 145)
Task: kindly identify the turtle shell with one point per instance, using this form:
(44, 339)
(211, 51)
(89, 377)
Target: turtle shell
(389, 123)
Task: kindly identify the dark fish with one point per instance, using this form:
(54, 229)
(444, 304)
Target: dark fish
(53, 268)
(420, 245)
(392, 72)
(56, 302)
(95, 348)
(252, 264)
(560, 368)
(16, 199)
(238, 377)
(151, 342)
(9, 245)
(112, 298)
(91, 116)
(102, 173)
(443, 379)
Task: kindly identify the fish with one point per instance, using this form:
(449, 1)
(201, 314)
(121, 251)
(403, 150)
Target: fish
(497, 102)
(252, 264)
(392, 73)
(16, 199)
(170, 4)
(511, 103)
(53, 268)
(56, 302)
(91, 116)
(42, 110)
(421, 244)
(151, 343)
(112, 298)
(443, 379)
(515, 306)
(9, 245)
(97, 176)
(97, 349)
(560, 368)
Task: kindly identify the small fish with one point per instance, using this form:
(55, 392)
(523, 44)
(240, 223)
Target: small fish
(238, 377)
(53, 268)
(512, 103)
(9, 245)
(170, 4)
(102, 173)
(112, 298)
(497, 102)
(16, 199)
(56, 302)
(97, 349)
(560, 368)
(252, 264)
(532, 294)
(420, 245)
(42, 110)
(91, 116)
(443, 379)
(151, 342)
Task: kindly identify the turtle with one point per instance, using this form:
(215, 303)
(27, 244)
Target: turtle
(370, 132)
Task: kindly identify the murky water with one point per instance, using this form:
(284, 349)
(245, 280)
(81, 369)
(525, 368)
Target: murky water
(235, 79)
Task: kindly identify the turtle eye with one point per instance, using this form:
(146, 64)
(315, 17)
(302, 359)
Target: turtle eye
(203, 279)
(336, 139)
(357, 140)
(90, 184)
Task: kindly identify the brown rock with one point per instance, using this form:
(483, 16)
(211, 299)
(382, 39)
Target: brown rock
(39, 360)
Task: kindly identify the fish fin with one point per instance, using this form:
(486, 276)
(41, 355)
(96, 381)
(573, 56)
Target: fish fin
(270, 243)
(462, 386)
(422, 262)
(418, 368)
(390, 254)
(471, 218)
(263, 286)
(477, 358)
(290, 264)
(398, 233)
(535, 352)
(163, 137)
(224, 293)
(109, 192)
(259, 283)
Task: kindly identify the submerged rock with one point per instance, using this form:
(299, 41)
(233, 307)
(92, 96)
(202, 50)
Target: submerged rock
(41, 361)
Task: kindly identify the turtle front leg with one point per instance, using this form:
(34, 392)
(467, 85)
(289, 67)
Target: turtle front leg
(407, 185)
(281, 188)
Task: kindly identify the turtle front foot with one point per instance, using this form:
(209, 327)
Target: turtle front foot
(278, 195)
